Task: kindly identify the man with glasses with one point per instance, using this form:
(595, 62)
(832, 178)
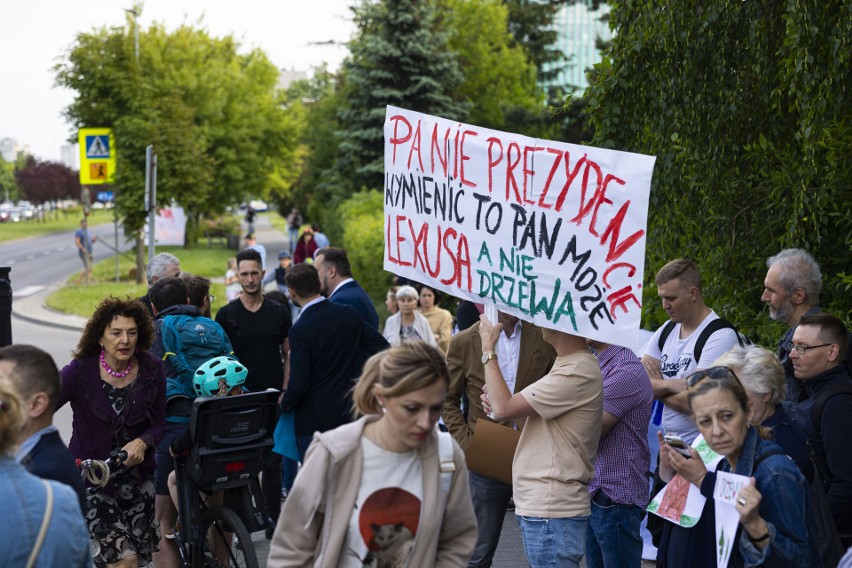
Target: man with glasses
(819, 345)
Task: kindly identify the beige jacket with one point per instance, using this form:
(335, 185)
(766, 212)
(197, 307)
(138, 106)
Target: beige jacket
(312, 527)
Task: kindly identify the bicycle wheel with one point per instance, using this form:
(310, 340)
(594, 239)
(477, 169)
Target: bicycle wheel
(228, 543)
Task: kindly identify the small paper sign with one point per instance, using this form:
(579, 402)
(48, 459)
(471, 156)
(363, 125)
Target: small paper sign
(679, 501)
(728, 486)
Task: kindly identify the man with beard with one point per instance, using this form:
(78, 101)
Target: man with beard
(791, 290)
(337, 284)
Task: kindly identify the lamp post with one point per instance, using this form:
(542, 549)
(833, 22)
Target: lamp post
(135, 13)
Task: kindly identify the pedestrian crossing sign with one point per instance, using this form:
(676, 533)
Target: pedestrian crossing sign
(97, 156)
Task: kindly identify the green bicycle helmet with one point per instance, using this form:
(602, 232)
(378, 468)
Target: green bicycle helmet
(217, 376)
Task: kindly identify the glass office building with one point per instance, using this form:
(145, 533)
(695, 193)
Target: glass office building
(580, 28)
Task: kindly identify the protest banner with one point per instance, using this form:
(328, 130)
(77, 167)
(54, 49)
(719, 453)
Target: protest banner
(552, 233)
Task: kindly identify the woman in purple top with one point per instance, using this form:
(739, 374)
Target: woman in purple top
(117, 395)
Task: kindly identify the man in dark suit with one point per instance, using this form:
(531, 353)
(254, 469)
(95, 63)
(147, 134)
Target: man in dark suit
(524, 357)
(36, 378)
(337, 284)
(329, 345)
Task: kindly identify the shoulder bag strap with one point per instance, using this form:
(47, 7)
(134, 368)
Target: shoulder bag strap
(45, 523)
(447, 465)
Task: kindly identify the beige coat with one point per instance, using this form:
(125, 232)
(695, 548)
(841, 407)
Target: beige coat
(312, 527)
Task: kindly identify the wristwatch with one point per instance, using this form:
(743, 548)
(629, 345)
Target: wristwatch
(487, 356)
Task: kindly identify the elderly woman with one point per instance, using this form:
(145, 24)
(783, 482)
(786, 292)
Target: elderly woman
(407, 324)
(118, 398)
(773, 524)
(372, 492)
(762, 377)
(440, 320)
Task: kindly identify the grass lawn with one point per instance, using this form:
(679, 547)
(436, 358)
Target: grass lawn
(57, 223)
(82, 300)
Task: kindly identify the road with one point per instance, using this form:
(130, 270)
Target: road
(38, 262)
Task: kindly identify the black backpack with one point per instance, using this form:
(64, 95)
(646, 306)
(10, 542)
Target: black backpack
(711, 328)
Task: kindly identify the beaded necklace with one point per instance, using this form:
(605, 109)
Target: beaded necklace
(113, 372)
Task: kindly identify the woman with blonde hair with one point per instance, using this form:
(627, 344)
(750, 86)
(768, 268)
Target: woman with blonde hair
(373, 492)
(41, 521)
(762, 377)
(407, 324)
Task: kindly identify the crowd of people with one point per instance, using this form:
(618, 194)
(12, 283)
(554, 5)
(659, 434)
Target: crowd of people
(382, 483)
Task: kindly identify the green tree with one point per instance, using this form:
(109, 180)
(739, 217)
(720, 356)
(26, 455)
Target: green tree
(499, 78)
(746, 106)
(363, 237)
(211, 113)
(8, 184)
(400, 57)
(531, 24)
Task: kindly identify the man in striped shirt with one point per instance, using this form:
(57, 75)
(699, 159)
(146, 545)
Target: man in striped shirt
(619, 488)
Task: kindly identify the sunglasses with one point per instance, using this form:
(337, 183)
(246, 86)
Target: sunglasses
(710, 373)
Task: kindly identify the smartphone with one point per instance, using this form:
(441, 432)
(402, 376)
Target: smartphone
(674, 441)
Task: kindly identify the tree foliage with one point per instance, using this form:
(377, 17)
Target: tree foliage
(531, 25)
(210, 112)
(746, 106)
(400, 57)
(47, 181)
(363, 238)
(8, 183)
(498, 76)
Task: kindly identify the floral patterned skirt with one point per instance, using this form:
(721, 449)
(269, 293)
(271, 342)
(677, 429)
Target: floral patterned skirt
(122, 522)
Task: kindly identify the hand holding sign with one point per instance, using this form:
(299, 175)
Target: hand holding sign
(489, 333)
(748, 506)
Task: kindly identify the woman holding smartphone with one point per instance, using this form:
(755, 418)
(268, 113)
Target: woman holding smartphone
(772, 509)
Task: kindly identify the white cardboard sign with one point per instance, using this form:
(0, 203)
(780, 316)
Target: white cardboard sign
(552, 233)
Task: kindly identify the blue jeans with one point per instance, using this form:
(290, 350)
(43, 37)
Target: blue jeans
(554, 543)
(613, 539)
(302, 443)
(293, 234)
(490, 499)
(289, 470)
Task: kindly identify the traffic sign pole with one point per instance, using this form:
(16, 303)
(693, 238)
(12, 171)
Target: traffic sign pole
(151, 197)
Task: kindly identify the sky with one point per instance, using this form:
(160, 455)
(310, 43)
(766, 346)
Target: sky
(34, 35)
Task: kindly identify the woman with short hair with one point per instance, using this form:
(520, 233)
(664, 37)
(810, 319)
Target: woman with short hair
(773, 521)
(407, 324)
(762, 377)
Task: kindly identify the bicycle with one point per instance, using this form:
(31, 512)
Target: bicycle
(229, 437)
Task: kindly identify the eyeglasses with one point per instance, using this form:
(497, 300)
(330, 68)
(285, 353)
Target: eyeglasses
(211, 297)
(802, 349)
(712, 373)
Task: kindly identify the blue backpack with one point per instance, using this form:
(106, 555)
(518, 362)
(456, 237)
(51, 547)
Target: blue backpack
(188, 342)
